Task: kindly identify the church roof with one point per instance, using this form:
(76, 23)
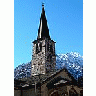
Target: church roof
(43, 30)
(44, 78)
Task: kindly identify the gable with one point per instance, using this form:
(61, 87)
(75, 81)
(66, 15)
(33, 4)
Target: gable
(62, 76)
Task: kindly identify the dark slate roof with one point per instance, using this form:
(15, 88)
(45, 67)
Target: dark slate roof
(30, 82)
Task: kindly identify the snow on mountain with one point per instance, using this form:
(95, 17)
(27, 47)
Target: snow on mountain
(72, 61)
(23, 70)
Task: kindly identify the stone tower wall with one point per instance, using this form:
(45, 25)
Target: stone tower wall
(43, 61)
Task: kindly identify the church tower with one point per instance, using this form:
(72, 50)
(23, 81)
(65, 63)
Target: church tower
(44, 58)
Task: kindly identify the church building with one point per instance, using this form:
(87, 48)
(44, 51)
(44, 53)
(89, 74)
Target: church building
(45, 80)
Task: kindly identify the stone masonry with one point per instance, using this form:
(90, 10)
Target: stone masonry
(43, 59)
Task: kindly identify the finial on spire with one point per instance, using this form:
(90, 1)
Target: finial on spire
(43, 30)
(42, 4)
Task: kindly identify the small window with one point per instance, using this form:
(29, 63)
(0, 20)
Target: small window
(48, 46)
(40, 46)
(36, 48)
(51, 49)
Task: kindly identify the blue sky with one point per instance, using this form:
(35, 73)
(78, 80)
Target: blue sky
(65, 23)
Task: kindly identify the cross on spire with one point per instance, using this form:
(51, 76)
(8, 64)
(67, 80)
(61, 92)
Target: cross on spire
(42, 4)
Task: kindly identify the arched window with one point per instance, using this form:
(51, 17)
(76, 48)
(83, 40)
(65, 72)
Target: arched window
(48, 47)
(40, 46)
(51, 49)
(36, 48)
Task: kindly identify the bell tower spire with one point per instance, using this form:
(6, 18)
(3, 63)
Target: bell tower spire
(44, 58)
(43, 31)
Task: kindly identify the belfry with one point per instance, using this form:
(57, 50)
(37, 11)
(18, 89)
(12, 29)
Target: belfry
(43, 58)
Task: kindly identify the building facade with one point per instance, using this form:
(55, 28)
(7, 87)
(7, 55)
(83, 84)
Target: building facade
(59, 83)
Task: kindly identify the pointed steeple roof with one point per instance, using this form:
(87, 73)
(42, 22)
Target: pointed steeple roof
(43, 30)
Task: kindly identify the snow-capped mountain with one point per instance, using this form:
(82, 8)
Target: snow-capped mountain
(23, 70)
(72, 61)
